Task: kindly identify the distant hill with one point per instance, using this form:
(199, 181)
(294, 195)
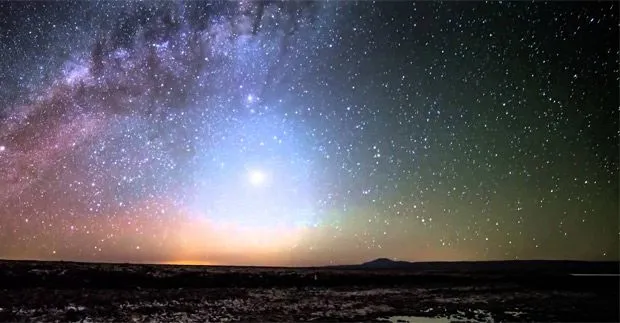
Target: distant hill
(387, 263)
(523, 266)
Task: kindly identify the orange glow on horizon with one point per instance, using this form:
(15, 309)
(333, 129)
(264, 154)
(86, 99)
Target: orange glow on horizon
(188, 263)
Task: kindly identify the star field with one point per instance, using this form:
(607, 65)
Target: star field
(308, 133)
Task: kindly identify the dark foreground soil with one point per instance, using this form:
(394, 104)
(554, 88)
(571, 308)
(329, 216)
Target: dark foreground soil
(53, 291)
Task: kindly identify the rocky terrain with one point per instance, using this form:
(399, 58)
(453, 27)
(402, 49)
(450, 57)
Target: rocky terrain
(474, 292)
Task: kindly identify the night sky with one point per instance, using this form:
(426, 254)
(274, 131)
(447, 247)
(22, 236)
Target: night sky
(308, 133)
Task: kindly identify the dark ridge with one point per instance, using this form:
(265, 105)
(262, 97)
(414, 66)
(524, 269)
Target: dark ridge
(505, 266)
(380, 272)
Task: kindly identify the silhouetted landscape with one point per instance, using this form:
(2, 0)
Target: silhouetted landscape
(379, 290)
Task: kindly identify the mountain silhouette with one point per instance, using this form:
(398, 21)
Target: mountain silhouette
(496, 266)
(387, 263)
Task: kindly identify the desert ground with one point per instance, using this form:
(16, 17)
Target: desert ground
(67, 291)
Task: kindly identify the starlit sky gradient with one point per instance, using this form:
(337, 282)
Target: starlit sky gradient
(308, 133)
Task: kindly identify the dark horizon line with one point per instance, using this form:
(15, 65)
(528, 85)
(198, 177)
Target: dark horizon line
(180, 264)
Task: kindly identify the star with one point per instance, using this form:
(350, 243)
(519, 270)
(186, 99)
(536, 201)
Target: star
(257, 177)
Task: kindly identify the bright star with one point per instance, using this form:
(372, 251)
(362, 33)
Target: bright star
(257, 177)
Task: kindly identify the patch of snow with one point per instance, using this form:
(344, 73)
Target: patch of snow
(515, 313)
(462, 300)
(23, 311)
(481, 316)
(372, 292)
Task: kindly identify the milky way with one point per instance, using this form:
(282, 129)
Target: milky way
(308, 133)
